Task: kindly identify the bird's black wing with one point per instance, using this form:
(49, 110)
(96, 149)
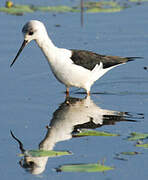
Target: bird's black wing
(89, 59)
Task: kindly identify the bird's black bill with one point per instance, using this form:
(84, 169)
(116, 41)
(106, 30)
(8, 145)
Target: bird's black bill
(20, 50)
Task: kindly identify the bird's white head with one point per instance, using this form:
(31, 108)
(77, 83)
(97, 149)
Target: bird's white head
(32, 30)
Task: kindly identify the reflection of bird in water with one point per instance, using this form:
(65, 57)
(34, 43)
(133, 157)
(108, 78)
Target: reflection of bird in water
(72, 115)
(79, 68)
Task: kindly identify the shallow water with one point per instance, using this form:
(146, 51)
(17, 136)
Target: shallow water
(30, 94)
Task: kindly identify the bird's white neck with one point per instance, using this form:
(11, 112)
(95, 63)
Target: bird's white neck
(47, 47)
(53, 54)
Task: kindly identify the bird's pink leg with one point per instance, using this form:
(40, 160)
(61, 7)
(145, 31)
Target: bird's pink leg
(88, 93)
(67, 91)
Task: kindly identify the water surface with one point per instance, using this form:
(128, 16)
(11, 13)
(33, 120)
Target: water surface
(30, 94)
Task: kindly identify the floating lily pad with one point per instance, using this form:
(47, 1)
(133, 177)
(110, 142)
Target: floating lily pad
(17, 9)
(138, 1)
(103, 6)
(105, 10)
(85, 168)
(137, 136)
(130, 153)
(56, 9)
(87, 132)
(142, 145)
(121, 156)
(44, 153)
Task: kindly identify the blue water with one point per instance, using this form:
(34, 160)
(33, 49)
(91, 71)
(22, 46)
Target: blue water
(30, 94)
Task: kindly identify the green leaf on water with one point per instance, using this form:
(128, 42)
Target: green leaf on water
(138, 1)
(100, 4)
(45, 153)
(137, 136)
(20, 9)
(104, 10)
(87, 132)
(56, 9)
(85, 168)
(103, 6)
(17, 9)
(130, 153)
(142, 145)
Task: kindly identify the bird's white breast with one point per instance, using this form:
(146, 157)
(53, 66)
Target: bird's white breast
(66, 71)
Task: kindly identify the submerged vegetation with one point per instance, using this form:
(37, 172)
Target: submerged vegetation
(89, 7)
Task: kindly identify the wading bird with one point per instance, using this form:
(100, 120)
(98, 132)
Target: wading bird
(78, 68)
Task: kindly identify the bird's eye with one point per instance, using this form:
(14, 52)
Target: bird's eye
(30, 33)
